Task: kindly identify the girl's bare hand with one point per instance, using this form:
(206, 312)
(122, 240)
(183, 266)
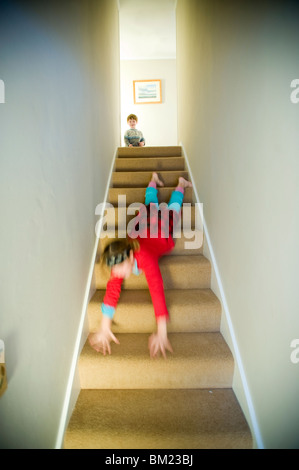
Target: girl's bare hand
(100, 341)
(159, 344)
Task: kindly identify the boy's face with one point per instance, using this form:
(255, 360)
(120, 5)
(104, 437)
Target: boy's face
(132, 123)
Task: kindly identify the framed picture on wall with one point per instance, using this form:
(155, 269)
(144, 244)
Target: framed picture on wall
(147, 91)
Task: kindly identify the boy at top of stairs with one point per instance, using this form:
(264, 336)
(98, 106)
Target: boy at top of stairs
(133, 137)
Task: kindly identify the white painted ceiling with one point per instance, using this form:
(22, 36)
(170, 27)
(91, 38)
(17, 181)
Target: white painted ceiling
(147, 29)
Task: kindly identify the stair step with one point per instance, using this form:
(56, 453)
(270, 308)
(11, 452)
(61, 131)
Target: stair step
(200, 360)
(115, 216)
(141, 178)
(190, 311)
(149, 164)
(157, 419)
(189, 242)
(138, 194)
(150, 151)
(178, 272)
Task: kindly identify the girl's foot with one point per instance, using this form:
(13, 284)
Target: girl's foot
(184, 183)
(157, 180)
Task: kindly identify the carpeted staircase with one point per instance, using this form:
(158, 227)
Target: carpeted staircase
(130, 401)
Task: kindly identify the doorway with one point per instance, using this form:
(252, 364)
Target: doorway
(147, 31)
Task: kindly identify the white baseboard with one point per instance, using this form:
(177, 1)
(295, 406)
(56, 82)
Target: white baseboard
(73, 384)
(233, 341)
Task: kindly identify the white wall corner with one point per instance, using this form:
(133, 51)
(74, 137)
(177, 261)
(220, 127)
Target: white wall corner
(73, 384)
(240, 386)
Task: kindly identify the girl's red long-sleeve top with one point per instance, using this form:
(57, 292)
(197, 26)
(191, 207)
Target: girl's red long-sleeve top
(147, 257)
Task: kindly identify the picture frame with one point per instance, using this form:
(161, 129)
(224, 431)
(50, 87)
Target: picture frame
(147, 91)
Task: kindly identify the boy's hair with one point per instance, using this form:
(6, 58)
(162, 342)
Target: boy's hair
(117, 252)
(132, 116)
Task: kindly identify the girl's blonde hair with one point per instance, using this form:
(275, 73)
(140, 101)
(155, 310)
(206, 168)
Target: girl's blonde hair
(118, 251)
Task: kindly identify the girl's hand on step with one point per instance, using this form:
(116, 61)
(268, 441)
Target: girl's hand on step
(100, 341)
(159, 342)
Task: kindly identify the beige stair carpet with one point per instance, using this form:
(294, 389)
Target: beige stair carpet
(128, 400)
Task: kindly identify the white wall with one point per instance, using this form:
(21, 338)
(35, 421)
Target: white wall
(158, 121)
(59, 129)
(147, 29)
(235, 63)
